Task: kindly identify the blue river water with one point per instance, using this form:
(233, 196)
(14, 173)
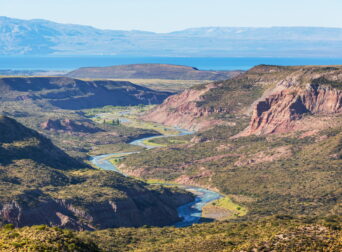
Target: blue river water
(189, 213)
(67, 63)
(140, 142)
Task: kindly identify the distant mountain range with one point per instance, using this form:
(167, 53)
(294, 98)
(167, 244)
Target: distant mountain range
(41, 37)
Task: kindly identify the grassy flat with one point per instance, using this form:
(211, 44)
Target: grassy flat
(129, 117)
(223, 209)
(165, 85)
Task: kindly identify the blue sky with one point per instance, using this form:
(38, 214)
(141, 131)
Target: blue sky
(171, 15)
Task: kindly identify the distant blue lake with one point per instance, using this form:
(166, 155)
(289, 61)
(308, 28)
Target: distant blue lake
(74, 62)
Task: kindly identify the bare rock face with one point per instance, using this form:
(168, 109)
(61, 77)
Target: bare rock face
(49, 212)
(181, 111)
(278, 112)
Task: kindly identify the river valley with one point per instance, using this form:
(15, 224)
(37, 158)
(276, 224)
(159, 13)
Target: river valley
(189, 213)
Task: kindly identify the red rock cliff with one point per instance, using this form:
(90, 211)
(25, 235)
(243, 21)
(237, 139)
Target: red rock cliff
(277, 112)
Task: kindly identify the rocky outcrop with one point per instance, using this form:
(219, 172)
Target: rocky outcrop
(278, 112)
(50, 212)
(181, 111)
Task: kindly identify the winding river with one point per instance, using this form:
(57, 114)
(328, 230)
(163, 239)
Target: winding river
(189, 213)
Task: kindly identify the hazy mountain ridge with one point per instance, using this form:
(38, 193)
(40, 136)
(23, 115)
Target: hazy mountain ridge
(274, 33)
(41, 37)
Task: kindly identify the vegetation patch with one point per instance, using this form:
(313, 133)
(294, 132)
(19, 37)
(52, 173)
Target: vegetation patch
(276, 233)
(167, 141)
(42, 238)
(129, 117)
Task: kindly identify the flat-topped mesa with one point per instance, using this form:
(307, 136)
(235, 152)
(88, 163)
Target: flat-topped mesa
(303, 92)
(151, 71)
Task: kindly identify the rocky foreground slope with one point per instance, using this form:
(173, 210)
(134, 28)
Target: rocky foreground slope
(40, 184)
(281, 233)
(69, 93)
(275, 97)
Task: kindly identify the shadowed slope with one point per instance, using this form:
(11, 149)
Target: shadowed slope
(68, 93)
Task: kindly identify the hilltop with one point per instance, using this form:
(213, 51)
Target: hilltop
(42, 37)
(41, 184)
(151, 71)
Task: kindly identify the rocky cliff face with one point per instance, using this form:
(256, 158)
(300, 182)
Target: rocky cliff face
(137, 210)
(290, 101)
